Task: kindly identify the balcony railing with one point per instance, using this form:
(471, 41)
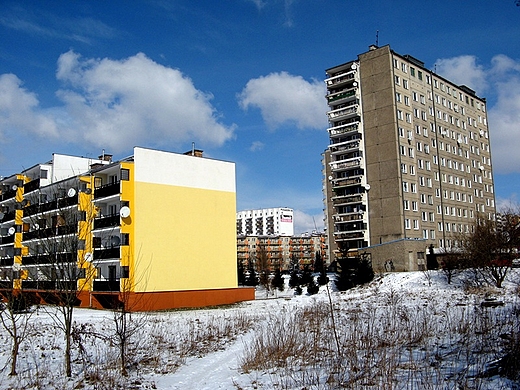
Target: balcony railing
(350, 145)
(109, 221)
(335, 114)
(340, 95)
(340, 78)
(108, 253)
(346, 128)
(107, 190)
(8, 195)
(9, 216)
(7, 239)
(107, 285)
(31, 186)
(346, 182)
(353, 163)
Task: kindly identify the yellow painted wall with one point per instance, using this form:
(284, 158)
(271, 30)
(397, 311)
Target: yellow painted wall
(185, 238)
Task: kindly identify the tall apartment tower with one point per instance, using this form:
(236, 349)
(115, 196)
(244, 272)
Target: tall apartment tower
(408, 167)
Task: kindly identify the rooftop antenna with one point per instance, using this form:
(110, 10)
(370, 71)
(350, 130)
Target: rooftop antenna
(193, 148)
(377, 38)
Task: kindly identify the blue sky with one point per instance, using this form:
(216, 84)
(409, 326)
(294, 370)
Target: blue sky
(243, 79)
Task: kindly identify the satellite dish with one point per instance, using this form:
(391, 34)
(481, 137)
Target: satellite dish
(14, 187)
(331, 177)
(71, 192)
(88, 256)
(88, 191)
(354, 66)
(124, 212)
(11, 230)
(115, 240)
(17, 267)
(1, 215)
(367, 186)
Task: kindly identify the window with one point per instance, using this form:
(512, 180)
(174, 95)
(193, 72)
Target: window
(396, 63)
(407, 223)
(397, 80)
(404, 67)
(402, 150)
(419, 75)
(406, 204)
(398, 97)
(125, 271)
(125, 174)
(405, 186)
(405, 84)
(410, 152)
(412, 169)
(407, 100)
(43, 173)
(414, 206)
(401, 132)
(416, 224)
(412, 71)
(399, 114)
(403, 168)
(413, 187)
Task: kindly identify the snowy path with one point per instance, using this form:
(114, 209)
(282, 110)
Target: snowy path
(217, 370)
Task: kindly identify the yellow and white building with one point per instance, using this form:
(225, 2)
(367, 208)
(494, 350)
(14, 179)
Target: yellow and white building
(132, 230)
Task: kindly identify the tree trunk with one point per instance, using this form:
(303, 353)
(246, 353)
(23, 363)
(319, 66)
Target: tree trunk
(14, 355)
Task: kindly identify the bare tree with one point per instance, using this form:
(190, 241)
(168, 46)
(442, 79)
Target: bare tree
(486, 250)
(126, 322)
(15, 316)
(60, 267)
(263, 265)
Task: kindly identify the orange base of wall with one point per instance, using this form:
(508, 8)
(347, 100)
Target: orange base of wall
(151, 301)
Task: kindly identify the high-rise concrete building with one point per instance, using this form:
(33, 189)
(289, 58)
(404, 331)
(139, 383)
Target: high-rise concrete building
(408, 167)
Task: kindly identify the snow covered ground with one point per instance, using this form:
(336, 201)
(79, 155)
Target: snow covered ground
(403, 330)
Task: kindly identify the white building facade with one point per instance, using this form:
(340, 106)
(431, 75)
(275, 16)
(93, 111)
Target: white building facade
(265, 222)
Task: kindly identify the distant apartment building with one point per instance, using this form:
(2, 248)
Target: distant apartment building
(408, 167)
(128, 226)
(281, 250)
(272, 229)
(274, 221)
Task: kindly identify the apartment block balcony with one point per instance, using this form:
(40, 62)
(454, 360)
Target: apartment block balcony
(336, 97)
(346, 164)
(33, 185)
(107, 253)
(7, 239)
(50, 285)
(352, 217)
(347, 199)
(107, 221)
(343, 129)
(8, 194)
(107, 190)
(345, 146)
(340, 79)
(8, 216)
(345, 182)
(343, 112)
(107, 285)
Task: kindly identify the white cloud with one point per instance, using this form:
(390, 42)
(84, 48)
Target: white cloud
(304, 223)
(20, 112)
(256, 146)
(501, 82)
(115, 105)
(463, 70)
(282, 98)
(118, 104)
